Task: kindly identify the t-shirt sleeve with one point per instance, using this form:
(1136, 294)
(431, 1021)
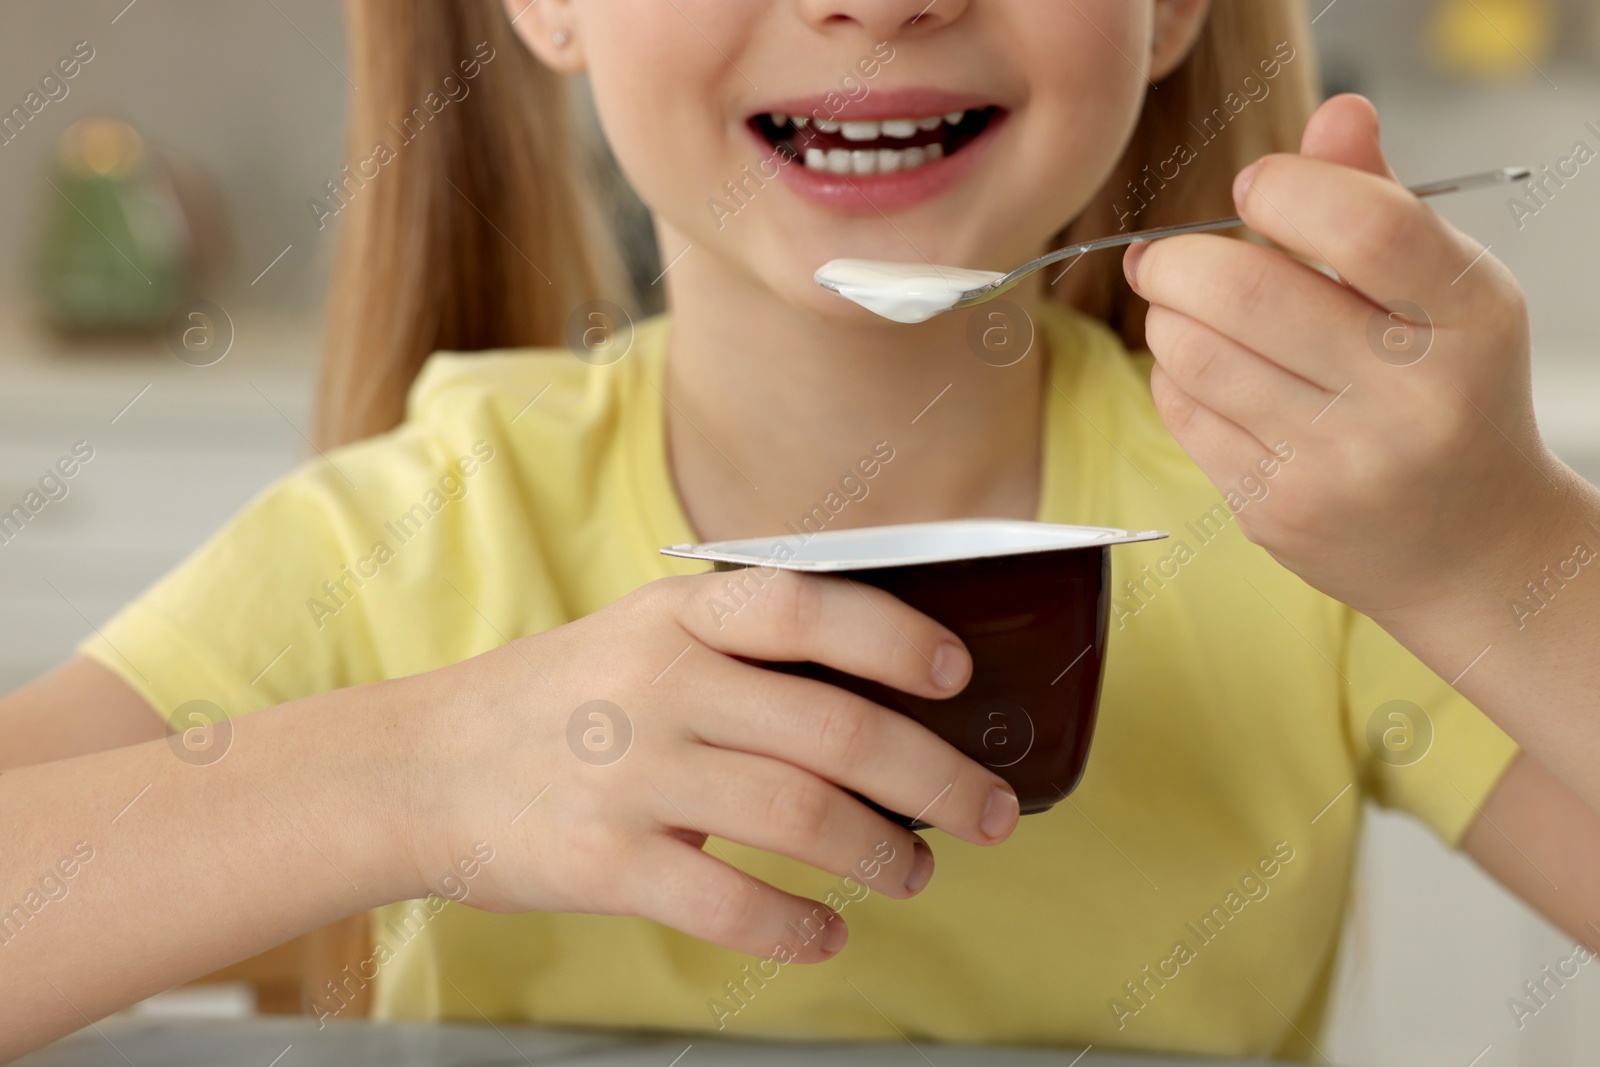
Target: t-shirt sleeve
(1422, 747)
(244, 622)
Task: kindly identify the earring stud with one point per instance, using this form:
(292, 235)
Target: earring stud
(560, 38)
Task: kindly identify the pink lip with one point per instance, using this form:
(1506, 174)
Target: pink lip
(883, 194)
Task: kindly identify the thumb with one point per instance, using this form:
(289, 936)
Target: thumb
(1345, 130)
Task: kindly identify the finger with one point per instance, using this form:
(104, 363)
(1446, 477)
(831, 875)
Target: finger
(775, 806)
(1381, 239)
(677, 885)
(1228, 378)
(1345, 130)
(1261, 298)
(881, 754)
(772, 614)
(1222, 448)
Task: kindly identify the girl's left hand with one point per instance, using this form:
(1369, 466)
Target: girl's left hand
(1374, 433)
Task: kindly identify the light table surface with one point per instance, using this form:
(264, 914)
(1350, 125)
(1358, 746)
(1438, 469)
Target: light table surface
(299, 1043)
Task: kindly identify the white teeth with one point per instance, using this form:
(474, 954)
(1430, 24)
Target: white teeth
(900, 129)
(864, 161)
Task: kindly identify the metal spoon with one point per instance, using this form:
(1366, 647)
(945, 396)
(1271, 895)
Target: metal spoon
(964, 298)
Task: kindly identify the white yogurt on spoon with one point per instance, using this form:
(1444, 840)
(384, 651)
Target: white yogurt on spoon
(903, 292)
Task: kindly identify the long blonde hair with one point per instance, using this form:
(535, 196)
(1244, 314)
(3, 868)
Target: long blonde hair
(1247, 89)
(478, 233)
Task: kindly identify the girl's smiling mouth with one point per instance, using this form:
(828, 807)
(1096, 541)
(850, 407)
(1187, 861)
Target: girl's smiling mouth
(884, 154)
(865, 147)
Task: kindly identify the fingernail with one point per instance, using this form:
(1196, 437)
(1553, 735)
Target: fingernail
(949, 668)
(1246, 180)
(1130, 263)
(999, 814)
(921, 867)
(834, 936)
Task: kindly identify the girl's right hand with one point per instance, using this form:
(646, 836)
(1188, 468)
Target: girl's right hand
(691, 741)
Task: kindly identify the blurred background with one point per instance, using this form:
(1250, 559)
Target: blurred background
(201, 133)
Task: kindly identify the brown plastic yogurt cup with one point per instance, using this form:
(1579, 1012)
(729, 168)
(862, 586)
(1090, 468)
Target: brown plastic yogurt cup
(1030, 600)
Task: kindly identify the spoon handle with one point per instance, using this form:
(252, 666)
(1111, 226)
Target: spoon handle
(1439, 188)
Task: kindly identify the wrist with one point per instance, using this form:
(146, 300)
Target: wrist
(408, 719)
(1562, 544)
(374, 754)
(1522, 551)
(327, 774)
(430, 734)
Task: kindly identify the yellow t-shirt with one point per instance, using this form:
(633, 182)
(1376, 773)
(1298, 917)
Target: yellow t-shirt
(1187, 897)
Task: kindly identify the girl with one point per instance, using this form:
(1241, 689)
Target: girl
(445, 661)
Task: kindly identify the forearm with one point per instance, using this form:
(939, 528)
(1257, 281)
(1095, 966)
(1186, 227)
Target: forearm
(1520, 637)
(178, 868)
